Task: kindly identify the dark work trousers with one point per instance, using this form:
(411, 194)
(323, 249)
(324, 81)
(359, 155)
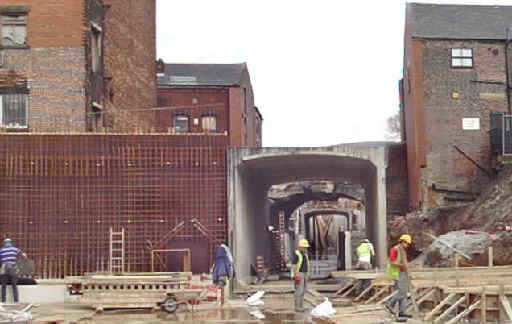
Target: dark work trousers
(10, 274)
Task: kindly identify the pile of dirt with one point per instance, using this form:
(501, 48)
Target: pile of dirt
(472, 227)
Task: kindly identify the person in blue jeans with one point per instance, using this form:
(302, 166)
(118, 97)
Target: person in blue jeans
(8, 257)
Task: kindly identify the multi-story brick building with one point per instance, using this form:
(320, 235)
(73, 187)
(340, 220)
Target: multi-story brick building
(63, 64)
(455, 75)
(211, 98)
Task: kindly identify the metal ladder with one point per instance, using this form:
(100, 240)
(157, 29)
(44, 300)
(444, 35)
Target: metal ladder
(116, 262)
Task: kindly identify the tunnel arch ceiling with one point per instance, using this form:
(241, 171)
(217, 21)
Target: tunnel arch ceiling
(251, 172)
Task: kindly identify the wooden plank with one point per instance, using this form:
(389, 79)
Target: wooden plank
(506, 305)
(450, 309)
(385, 299)
(501, 293)
(438, 307)
(346, 293)
(381, 291)
(465, 312)
(429, 294)
(490, 289)
(364, 292)
(348, 284)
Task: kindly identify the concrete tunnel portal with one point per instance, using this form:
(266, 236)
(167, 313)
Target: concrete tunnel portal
(252, 171)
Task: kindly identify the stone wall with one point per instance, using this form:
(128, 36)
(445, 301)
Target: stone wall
(450, 95)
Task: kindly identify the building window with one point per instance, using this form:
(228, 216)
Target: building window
(209, 123)
(180, 124)
(96, 46)
(462, 57)
(13, 110)
(14, 29)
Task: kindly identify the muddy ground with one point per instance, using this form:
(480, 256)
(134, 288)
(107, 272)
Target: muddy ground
(275, 310)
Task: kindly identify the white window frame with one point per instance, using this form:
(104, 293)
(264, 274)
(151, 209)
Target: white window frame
(462, 58)
(206, 122)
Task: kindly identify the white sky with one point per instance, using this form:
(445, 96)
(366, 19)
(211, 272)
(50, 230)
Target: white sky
(323, 72)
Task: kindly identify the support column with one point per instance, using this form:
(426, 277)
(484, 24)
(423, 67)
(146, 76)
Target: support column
(381, 234)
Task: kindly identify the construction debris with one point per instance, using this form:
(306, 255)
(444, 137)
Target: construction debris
(9, 316)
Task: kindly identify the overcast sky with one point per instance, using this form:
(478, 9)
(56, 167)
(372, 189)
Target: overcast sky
(323, 72)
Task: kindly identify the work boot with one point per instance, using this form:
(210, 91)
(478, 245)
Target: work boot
(404, 315)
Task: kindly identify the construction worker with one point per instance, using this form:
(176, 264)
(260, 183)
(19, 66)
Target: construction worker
(8, 257)
(365, 252)
(300, 272)
(397, 270)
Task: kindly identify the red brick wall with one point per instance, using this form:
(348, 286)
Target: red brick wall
(236, 123)
(413, 116)
(56, 23)
(207, 101)
(130, 54)
(55, 63)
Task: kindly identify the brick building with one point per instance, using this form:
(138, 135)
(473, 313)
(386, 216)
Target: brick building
(211, 98)
(454, 77)
(63, 63)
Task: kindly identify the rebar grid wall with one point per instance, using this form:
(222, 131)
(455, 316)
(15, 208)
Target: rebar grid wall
(60, 194)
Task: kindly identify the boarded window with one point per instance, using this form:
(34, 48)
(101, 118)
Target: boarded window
(14, 30)
(13, 110)
(209, 123)
(181, 124)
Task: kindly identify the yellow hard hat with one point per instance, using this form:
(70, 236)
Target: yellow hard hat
(406, 238)
(303, 243)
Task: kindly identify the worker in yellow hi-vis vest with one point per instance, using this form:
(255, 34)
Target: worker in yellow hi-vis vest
(300, 273)
(365, 252)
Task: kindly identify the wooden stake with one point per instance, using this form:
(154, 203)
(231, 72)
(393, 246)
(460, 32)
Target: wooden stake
(483, 309)
(464, 313)
(501, 294)
(377, 294)
(491, 257)
(364, 292)
(450, 309)
(506, 305)
(440, 306)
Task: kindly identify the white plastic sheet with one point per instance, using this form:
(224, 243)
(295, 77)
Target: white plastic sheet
(325, 309)
(255, 299)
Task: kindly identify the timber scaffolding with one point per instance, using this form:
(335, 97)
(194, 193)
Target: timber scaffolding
(442, 295)
(61, 193)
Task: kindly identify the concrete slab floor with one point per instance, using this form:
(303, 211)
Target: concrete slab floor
(276, 311)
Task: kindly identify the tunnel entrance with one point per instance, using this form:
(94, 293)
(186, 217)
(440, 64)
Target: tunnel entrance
(252, 173)
(324, 213)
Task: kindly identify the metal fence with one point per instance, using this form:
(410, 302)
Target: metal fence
(60, 195)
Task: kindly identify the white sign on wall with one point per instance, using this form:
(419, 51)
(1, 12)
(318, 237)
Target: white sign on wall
(470, 123)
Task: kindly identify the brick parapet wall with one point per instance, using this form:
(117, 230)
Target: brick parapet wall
(130, 54)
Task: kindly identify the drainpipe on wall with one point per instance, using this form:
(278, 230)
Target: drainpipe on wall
(507, 42)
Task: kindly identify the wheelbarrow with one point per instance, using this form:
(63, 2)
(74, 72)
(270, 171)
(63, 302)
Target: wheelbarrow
(185, 297)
